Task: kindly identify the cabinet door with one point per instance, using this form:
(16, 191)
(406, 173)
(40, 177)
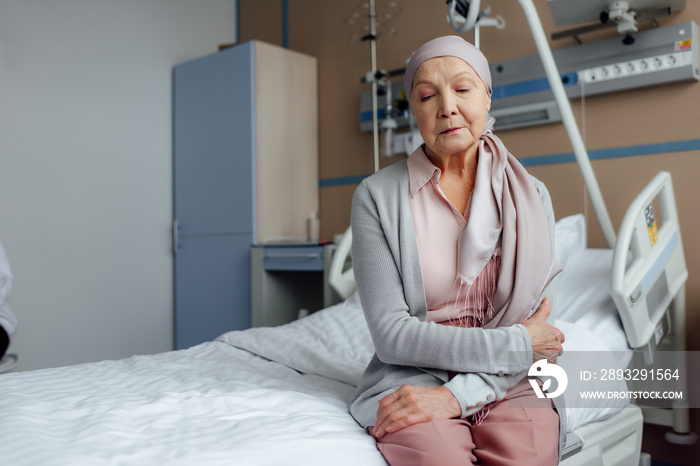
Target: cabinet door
(213, 193)
(213, 292)
(214, 143)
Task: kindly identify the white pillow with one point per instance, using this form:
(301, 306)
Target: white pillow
(569, 237)
(583, 297)
(584, 351)
(584, 284)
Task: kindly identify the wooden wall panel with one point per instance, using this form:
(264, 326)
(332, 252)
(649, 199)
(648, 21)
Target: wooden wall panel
(337, 198)
(260, 21)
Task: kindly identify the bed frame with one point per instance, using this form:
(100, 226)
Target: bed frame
(648, 288)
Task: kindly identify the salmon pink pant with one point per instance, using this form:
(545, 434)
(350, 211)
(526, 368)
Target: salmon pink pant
(520, 430)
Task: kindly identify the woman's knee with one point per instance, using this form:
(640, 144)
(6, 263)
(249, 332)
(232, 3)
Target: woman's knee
(444, 442)
(518, 436)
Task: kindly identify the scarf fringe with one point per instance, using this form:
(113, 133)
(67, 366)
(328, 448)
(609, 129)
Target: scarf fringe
(473, 305)
(477, 309)
(478, 417)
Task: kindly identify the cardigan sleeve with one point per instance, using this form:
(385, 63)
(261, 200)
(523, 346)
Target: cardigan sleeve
(475, 390)
(400, 337)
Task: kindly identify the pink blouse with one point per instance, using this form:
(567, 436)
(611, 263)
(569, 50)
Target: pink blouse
(438, 224)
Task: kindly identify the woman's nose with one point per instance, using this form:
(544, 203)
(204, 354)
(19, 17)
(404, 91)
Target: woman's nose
(448, 106)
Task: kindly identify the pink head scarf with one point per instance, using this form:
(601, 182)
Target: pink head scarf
(505, 206)
(448, 46)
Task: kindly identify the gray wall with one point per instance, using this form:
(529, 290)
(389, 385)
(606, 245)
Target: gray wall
(85, 169)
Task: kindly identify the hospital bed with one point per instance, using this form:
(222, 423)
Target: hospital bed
(275, 395)
(270, 394)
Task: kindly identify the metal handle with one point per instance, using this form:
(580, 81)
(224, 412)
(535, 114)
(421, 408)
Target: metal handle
(175, 238)
(308, 255)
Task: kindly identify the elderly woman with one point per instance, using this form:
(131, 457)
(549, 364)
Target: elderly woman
(453, 259)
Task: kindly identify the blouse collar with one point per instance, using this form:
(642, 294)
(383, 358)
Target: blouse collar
(421, 171)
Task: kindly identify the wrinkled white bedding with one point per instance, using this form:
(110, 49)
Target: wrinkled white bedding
(211, 404)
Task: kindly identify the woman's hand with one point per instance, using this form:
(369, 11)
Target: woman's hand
(546, 340)
(411, 405)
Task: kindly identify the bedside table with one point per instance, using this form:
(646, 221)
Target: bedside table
(286, 278)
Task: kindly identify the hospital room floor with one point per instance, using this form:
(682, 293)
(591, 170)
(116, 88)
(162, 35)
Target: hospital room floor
(667, 454)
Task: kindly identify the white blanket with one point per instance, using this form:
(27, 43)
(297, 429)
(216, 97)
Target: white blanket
(208, 405)
(334, 343)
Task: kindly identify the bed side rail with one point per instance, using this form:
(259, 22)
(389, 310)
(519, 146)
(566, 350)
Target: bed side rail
(340, 276)
(644, 288)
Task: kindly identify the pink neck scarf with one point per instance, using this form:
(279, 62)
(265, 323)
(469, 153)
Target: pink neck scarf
(505, 205)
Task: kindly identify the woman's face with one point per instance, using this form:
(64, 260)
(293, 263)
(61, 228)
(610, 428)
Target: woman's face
(450, 103)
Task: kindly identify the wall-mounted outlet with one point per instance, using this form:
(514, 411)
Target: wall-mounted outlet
(635, 67)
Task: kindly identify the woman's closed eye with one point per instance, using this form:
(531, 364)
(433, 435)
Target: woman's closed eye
(463, 86)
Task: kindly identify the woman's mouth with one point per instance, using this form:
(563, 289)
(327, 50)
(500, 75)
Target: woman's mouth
(451, 130)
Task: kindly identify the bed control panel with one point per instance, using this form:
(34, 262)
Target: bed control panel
(645, 288)
(661, 329)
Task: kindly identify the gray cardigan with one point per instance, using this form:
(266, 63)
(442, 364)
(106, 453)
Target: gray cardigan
(409, 350)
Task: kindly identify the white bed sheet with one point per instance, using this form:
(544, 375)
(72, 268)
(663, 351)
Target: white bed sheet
(584, 297)
(211, 404)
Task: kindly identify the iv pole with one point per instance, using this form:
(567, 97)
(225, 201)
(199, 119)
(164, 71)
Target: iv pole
(372, 37)
(378, 79)
(569, 121)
